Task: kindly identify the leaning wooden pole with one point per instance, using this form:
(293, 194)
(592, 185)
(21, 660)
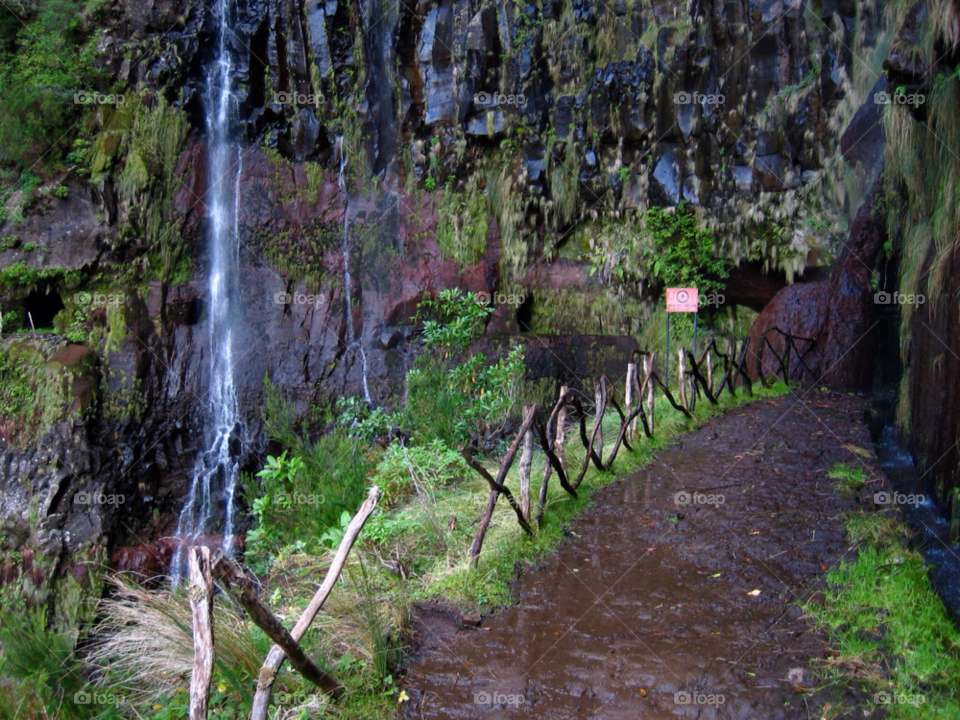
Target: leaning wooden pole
(628, 396)
(231, 575)
(201, 607)
(268, 673)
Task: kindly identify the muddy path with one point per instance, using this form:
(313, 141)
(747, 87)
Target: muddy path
(657, 610)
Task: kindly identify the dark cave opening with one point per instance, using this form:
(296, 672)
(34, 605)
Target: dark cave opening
(41, 307)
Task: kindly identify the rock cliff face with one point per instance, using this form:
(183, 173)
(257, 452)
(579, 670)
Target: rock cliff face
(485, 145)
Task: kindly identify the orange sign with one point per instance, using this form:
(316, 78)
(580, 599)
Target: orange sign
(682, 300)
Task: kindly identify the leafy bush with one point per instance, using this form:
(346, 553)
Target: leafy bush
(454, 320)
(429, 466)
(45, 58)
(302, 492)
(682, 253)
(471, 397)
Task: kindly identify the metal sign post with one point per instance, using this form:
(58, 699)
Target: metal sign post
(681, 300)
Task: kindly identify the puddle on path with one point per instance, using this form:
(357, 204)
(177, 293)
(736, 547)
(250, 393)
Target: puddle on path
(655, 610)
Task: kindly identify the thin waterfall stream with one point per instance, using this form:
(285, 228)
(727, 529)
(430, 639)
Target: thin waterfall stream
(217, 469)
(352, 340)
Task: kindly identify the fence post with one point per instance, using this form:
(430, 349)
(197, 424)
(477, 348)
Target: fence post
(598, 399)
(681, 379)
(526, 460)
(628, 396)
(201, 607)
(560, 435)
(710, 368)
(648, 375)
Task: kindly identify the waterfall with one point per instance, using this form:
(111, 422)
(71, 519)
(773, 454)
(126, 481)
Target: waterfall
(353, 343)
(216, 471)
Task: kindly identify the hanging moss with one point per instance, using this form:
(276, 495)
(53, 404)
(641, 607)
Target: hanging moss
(464, 222)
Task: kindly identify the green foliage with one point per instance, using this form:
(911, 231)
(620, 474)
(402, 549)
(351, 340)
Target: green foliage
(850, 479)
(302, 492)
(885, 620)
(46, 55)
(429, 467)
(40, 666)
(682, 253)
(456, 319)
(462, 223)
(361, 422)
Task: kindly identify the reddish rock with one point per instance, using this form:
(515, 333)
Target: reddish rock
(839, 313)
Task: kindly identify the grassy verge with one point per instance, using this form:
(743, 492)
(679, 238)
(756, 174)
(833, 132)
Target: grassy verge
(888, 629)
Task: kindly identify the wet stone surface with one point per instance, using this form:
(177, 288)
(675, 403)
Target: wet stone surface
(653, 609)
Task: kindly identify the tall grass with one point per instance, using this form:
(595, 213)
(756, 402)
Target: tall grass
(142, 646)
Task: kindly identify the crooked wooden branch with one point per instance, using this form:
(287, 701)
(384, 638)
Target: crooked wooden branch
(611, 396)
(243, 588)
(549, 443)
(497, 486)
(669, 396)
(554, 460)
(702, 381)
(591, 453)
(268, 673)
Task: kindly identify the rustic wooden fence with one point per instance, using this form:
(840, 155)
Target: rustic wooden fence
(695, 379)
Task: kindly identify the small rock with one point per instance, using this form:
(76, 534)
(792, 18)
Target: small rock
(470, 619)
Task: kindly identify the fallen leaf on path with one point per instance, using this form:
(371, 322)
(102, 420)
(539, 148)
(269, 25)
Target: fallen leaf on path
(643, 693)
(753, 593)
(716, 575)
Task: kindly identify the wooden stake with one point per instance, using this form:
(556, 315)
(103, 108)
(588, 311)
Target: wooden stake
(268, 673)
(201, 607)
(561, 432)
(598, 396)
(628, 396)
(682, 379)
(648, 381)
(526, 460)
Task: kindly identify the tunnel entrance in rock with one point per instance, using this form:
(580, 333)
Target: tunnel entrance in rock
(525, 314)
(41, 307)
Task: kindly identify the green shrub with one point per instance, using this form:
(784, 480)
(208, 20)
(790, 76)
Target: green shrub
(46, 56)
(431, 466)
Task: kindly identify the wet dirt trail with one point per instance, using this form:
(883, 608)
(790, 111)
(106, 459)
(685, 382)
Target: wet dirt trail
(653, 609)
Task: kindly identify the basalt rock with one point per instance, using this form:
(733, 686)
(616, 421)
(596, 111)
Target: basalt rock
(838, 313)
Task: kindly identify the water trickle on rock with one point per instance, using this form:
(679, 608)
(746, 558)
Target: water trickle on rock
(353, 342)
